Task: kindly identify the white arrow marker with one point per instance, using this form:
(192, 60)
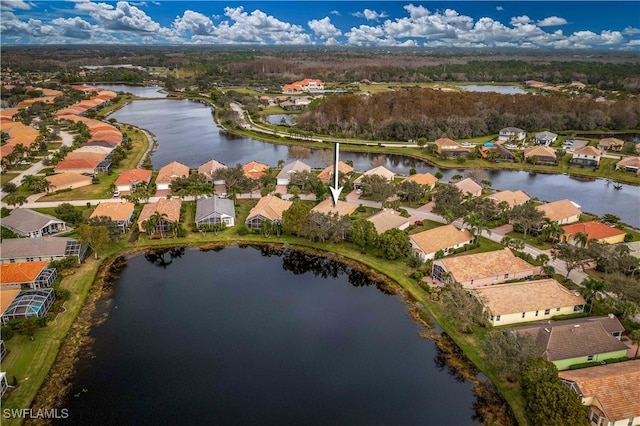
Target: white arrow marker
(335, 191)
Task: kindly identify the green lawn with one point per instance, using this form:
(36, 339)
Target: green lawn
(7, 177)
(30, 361)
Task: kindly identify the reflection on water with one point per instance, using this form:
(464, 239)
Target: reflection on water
(241, 336)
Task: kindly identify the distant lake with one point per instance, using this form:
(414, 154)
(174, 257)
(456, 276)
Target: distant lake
(142, 91)
(186, 132)
(257, 336)
(505, 90)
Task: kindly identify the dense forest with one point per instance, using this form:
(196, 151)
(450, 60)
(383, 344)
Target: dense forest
(427, 113)
(209, 66)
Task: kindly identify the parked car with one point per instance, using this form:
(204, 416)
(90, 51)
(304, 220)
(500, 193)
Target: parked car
(116, 193)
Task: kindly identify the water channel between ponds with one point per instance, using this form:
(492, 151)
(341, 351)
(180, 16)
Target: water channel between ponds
(198, 337)
(186, 132)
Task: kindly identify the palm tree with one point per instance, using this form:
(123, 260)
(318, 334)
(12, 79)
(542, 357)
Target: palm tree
(148, 226)
(475, 224)
(590, 287)
(581, 239)
(159, 220)
(543, 259)
(29, 181)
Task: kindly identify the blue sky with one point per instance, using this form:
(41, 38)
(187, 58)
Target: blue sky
(527, 24)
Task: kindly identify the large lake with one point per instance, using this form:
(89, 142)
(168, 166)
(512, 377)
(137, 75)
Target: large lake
(142, 91)
(248, 336)
(186, 133)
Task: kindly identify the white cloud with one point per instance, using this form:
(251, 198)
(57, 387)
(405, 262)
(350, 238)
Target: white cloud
(124, 17)
(76, 28)
(323, 28)
(499, 8)
(631, 31)
(520, 20)
(9, 5)
(552, 21)
(335, 12)
(194, 23)
(370, 15)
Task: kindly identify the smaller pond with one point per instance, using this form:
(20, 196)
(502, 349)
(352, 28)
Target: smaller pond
(141, 91)
(287, 119)
(505, 90)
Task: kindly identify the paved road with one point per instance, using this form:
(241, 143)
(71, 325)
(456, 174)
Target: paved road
(67, 140)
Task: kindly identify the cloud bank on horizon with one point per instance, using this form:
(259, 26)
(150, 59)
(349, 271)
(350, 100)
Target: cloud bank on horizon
(473, 24)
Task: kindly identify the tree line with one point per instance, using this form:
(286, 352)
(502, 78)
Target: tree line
(432, 114)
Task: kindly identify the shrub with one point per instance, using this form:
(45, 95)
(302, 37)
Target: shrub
(243, 230)
(6, 331)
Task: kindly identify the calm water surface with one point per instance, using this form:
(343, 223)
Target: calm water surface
(186, 133)
(505, 90)
(142, 91)
(247, 336)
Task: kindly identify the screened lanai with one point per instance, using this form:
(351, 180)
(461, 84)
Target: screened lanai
(29, 303)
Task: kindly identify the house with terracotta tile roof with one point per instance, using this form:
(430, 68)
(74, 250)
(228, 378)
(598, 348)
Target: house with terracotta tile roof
(512, 198)
(574, 342)
(610, 391)
(296, 166)
(423, 179)
(388, 219)
(483, 269)
(120, 213)
(629, 164)
(595, 231)
(169, 173)
(32, 224)
(447, 148)
(540, 155)
(378, 171)
(77, 165)
(326, 175)
(26, 274)
(443, 238)
(469, 186)
(342, 208)
(169, 209)
(306, 85)
(526, 301)
(209, 168)
(254, 170)
(561, 211)
(68, 180)
(587, 156)
(268, 208)
(128, 179)
(14, 250)
(610, 144)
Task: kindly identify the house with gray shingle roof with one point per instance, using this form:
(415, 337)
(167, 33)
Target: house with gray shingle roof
(575, 342)
(14, 250)
(512, 133)
(215, 211)
(297, 166)
(32, 224)
(545, 138)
